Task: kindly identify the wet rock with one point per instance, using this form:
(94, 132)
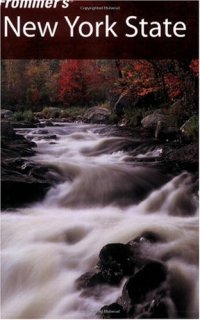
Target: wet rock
(116, 260)
(19, 190)
(89, 280)
(112, 311)
(14, 145)
(97, 115)
(150, 277)
(7, 129)
(22, 181)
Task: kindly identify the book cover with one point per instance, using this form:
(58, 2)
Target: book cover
(99, 159)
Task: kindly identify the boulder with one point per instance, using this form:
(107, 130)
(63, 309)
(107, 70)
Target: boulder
(147, 279)
(19, 190)
(145, 293)
(97, 115)
(163, 125)
(116, 260)
(91, 284)
(150, 122)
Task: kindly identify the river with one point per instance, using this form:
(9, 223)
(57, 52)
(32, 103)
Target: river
(108, 193)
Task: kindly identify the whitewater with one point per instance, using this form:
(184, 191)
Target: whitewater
(108, 193)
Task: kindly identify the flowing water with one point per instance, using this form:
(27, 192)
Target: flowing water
(106, 194)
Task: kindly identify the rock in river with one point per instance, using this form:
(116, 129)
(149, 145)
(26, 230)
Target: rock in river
(116, 260)
(97, 115)
(22, 182)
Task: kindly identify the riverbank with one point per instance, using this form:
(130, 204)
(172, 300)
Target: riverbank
(22, 181)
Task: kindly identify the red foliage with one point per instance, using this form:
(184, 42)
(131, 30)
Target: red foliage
(174, 86)
(140, 76)
(78, 78)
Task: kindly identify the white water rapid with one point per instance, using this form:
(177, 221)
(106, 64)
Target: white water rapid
(105, 196)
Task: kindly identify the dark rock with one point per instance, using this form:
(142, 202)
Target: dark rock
(19, 190)
(22, 181)
(112, 311)
(116, 261)
(89, 280)
(145, 280)
(14, 145)
(7, 129)
(97, 115)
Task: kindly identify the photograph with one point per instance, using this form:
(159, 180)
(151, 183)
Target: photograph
(99, 160)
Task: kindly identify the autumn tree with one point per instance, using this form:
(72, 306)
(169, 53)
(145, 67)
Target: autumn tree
(84, 82)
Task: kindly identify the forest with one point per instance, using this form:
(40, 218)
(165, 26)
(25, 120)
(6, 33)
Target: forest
(129, 89)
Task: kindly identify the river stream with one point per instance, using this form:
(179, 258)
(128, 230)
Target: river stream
(107, 193)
